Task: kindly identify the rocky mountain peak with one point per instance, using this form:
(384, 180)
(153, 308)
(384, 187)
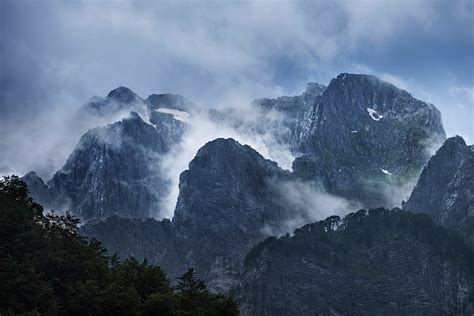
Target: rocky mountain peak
(453, 145)
(114, 170)
(123, 95)
(39, 191)
(314, 89)
(228, 152)
(32, 175)
(168, 100)
(364, 136)
(445, 189)
(225, 202)
(119, 99)
(352, 80)
(134, 116)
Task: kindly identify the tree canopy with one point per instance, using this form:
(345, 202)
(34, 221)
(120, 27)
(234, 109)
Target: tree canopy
(46, 267)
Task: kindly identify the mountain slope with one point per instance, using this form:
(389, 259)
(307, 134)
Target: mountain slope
(119, 99)
(445, 190)
(365, 137)
(116, 169)
(141, 238)
(386, 262)
(296, 112)
(225, 203)
(113, 170)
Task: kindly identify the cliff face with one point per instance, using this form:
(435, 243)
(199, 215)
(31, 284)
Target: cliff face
(142, 238)
(113, 170)
(116, 169)
(296, 114)
(118, 100)
(224, 206)
(365, 137)
(445, 190)
(389, 262)
(39, 191)
(360, 139)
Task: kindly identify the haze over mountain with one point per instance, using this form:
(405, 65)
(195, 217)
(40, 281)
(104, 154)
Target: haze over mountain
(219, 56)
(231, 197)
(373, 161)
(300, 157)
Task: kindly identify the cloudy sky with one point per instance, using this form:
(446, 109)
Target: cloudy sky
(55, 55)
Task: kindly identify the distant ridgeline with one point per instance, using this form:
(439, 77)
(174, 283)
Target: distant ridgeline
(360, 143)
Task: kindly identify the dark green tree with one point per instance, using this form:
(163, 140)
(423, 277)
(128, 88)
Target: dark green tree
(47, 268)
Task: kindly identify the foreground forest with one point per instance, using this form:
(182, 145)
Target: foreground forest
(47, 268)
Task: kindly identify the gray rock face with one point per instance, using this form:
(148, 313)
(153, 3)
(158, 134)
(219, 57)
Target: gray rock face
(170, 101)
(227, 204)
(119, 99)
(169, 113)
(364, 136)
(296, 113)
(360, 138)
(386, 263)
(224, 205)
(39, 191)
(113, 170)
(142, 238)
(116, 169)
(445, 190)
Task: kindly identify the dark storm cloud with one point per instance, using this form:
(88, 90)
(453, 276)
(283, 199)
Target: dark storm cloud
(55, 55)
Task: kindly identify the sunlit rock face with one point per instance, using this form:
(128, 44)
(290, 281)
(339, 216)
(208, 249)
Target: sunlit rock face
(445, 190)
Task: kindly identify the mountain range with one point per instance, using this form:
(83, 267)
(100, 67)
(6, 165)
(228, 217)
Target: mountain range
(358, 143)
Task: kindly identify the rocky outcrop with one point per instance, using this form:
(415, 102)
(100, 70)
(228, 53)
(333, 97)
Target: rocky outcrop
(445, 190)
(385, 263)
(113, 170)
(225, 205)
(116, 169)
(119, 99)
(38, 190)
(296, 112)
(359, 138)
(169, 101)
(364, 137)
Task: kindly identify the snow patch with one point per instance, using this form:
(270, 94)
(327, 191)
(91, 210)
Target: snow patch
(374, 115)
(386, 172)
(177, 115)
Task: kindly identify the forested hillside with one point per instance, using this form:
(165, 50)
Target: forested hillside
(47, 268)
